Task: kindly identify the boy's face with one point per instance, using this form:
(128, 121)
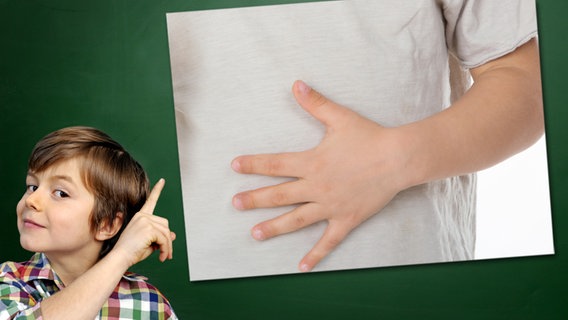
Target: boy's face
(54, 212)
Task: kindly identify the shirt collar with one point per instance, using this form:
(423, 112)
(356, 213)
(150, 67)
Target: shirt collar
(37, 267)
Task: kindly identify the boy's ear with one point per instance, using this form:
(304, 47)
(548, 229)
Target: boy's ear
(108, 230)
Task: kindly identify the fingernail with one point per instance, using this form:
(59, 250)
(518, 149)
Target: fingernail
(303, 88)
(258, 234)
(304, 267)
(238, 203)
(236, 166)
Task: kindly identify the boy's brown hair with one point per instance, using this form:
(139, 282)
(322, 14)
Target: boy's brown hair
(117, 181)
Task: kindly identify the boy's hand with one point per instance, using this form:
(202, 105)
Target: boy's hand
(147, 232)
(352, 174)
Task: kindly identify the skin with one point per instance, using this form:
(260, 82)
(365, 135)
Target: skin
(53, 218)
(359, 166)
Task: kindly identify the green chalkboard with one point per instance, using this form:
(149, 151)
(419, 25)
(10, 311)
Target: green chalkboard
(106, 64)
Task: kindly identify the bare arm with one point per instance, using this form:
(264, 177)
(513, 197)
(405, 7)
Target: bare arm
(499, 116)
(84, 297)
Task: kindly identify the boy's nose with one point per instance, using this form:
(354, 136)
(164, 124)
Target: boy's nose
(33, 201)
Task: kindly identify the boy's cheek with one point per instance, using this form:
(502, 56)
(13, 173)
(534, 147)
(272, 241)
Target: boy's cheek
(21, 205)
(20, 208)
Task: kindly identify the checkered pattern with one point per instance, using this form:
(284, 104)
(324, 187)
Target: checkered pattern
(24, 285)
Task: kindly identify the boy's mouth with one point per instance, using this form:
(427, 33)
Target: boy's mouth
(28, 223)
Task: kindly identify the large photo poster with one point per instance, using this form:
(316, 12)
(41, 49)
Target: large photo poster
(233, 71)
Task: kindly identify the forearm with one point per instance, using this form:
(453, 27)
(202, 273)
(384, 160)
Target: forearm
(85, 296)
(499, 116)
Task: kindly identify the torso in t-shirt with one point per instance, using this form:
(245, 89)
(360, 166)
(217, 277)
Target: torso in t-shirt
(387, 60)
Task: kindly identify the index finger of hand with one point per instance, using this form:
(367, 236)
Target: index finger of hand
(274, 165)
(152, 199)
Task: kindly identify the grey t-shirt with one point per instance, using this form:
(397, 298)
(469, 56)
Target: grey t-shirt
(232, 70)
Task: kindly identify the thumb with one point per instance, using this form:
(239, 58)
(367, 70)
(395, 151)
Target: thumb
(326, 111)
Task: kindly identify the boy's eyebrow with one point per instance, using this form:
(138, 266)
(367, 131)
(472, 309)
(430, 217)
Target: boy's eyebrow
(56, 177)
(62, 177)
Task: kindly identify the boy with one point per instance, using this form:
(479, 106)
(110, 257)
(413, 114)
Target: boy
(88, 216)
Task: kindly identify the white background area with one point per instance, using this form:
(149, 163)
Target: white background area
(513, 213)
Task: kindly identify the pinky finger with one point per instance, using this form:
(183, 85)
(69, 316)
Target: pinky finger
(172, 238)
(331, 238)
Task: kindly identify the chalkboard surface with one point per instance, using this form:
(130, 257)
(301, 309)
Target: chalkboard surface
(106, 64)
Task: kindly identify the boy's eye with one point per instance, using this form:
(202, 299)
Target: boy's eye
(31, 188)
(61, 194)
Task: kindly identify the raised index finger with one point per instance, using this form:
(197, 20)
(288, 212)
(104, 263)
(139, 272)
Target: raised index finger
(152, 200)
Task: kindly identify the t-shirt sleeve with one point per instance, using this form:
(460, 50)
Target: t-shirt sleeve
(478, 31)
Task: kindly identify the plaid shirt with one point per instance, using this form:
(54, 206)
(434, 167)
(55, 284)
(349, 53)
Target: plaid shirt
(24, 285)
